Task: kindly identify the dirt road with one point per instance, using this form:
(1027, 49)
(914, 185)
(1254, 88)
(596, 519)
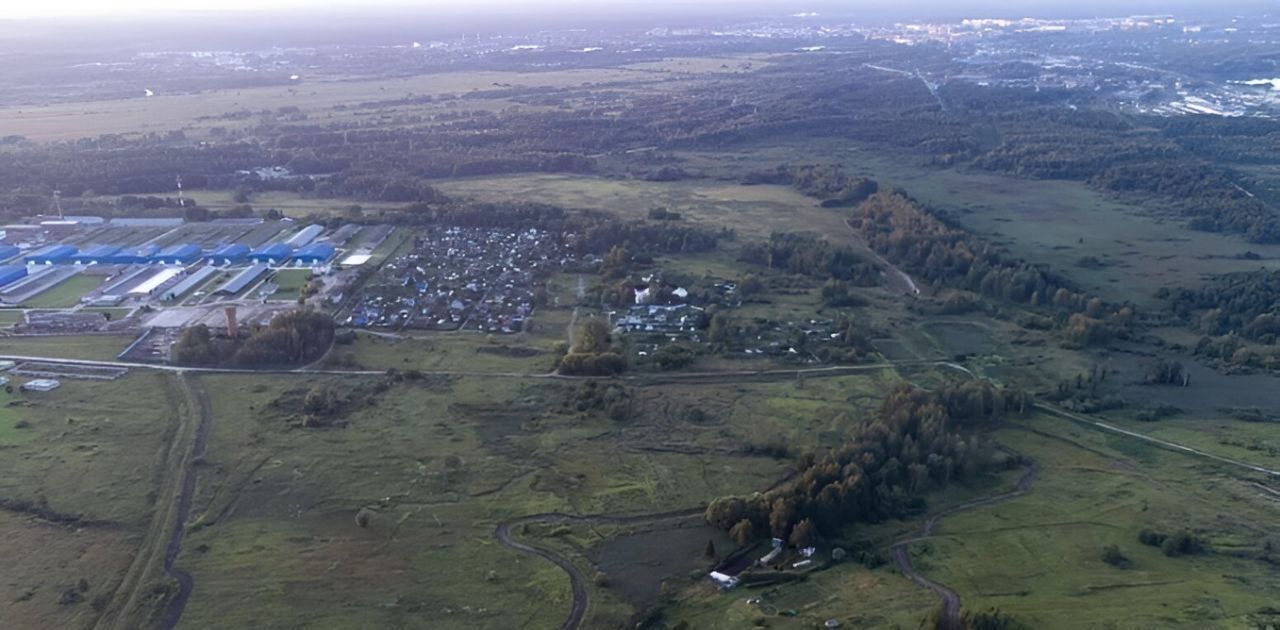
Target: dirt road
(162, 541)
(577, 581)
(901, 550)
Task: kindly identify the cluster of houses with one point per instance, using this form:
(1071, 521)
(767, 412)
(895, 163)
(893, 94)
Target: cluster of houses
(480, 279)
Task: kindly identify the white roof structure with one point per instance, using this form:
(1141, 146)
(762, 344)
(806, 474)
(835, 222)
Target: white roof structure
(355, 260)
(42, 384)
(149, 285)
(722, 580)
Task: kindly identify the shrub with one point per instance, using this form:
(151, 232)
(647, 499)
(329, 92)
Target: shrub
(1112, 555)
(1183, 543)
(1151, 538)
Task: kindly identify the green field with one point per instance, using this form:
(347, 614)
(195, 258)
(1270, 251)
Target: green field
(753, 211)
(291, 283)
(98, 347)
(1048, 221)
(67, 293)
(9, 317)
(1049, 543)
(88, 451)
(519, 451)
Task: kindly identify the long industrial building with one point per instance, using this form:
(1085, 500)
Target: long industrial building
(304, 236)
(52, 255)
(177, 255)
(314, 254)
(189, 283)
(228, 254)
(272, 254)
(153, 284)
(12, 273)
(243, 279)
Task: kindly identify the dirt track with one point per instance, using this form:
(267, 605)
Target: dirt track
(163, 539)
(173, 610)
(577, 582)
(901, 550)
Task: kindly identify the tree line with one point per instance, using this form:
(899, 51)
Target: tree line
(945, 255)
(912, 445)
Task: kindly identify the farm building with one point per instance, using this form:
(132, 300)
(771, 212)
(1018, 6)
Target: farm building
(314, 254)
(153, 284)
(52, 255)
(159, 222)
(140, 256)
(343, 234)
(177, 255)
(228, 255)
(305, 236)
(97, 255)
(355, 260)
(12, 273)
(243, 279)
(189, 283)
(273, 254)
(8, 251)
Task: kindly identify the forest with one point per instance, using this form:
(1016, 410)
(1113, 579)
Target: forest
(1244, 304)
(917, 441)
(945, 255)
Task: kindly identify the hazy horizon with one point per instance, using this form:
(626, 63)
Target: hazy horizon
(74, 9)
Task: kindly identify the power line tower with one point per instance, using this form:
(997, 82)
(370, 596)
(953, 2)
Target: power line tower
(181, 202)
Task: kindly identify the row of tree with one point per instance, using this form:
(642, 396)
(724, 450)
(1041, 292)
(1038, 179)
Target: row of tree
(827, 182)
(809, 255)
(914, 444)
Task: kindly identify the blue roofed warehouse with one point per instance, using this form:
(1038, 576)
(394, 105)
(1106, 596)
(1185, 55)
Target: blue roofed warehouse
(314, 254)
(97, 255)
(12, 273)
(177, 255)
(228, 255)
(52, 255)
(273, 254)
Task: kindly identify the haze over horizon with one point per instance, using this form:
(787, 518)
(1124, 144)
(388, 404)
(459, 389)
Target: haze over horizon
(140, 8)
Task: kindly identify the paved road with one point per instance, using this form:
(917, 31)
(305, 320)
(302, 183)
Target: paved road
(901, 550)
(1173, 446)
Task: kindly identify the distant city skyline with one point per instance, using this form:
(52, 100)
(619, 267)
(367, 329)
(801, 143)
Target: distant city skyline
(133, 8)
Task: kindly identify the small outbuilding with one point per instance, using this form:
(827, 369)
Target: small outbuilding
(42, 385)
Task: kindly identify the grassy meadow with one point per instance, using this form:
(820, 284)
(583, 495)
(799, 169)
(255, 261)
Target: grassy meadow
(87, 452)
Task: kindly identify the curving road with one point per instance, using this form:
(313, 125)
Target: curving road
(901, 551)
(577, 581)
